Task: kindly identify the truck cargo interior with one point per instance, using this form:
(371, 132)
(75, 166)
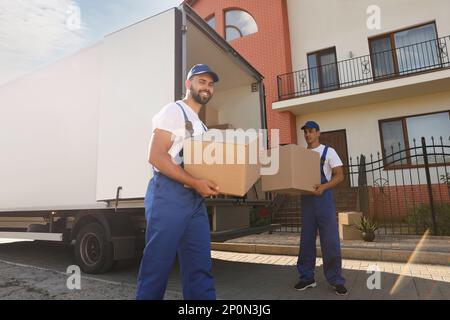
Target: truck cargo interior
(233, 93)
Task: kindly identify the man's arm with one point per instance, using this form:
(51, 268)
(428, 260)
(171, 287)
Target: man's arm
(160, 158)
(336, 178)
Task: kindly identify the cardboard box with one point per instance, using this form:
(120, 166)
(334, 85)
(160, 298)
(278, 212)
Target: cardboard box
(299, 171)
(350, 218)
(209, 116)
(232, 165)
(225, 126)
(349, 233)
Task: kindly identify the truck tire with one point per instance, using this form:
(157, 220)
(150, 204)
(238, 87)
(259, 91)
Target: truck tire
(94, 254)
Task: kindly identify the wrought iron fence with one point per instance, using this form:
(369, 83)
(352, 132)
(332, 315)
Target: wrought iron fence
(403, 61)
(404, 190)
(407, 190)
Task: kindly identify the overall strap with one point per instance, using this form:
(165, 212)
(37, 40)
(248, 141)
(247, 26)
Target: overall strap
(322, 161)
(184, 112)
(188, 126)
(186, 118)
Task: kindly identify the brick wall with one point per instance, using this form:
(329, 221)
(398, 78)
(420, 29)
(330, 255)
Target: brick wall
(268, 50)
(395, 203)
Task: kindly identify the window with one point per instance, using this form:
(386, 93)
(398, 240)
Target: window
(394, 142)
(211, 21)
(398, 135)
(323, 71)
(238, 24)
(382, 58)
(404, 52)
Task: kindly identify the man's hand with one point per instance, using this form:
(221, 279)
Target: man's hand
(319, 189)
(336, 178)
(205, 188)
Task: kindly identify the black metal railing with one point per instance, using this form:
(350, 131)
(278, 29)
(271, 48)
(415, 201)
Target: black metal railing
(403, 61)
(408, 190)
(404, 190)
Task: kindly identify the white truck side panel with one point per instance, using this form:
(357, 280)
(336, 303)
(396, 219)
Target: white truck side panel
(74, 131)
(48, 134)
(138, 76)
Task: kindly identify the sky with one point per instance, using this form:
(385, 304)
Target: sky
(35, 33)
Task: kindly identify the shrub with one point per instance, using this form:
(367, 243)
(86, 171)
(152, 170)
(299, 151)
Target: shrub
(420, 216)
(366, 225)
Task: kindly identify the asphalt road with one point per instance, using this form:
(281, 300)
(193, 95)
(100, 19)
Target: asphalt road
(36, 270)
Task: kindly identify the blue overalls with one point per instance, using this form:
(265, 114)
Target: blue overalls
(177, 223)
(319, 212)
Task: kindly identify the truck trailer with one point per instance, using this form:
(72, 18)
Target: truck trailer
(75, 135)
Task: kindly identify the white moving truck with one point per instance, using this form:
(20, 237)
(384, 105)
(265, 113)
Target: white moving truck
(75, 134)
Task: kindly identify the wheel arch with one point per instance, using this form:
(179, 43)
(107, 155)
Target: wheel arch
(84, 218)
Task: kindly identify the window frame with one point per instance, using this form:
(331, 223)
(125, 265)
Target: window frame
(211, 16)
(225, 25)
(403, 119)
(390, 35)
(319, 75)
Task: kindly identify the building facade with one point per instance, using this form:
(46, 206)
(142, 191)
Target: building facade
(374, 74)
(259, 31)
(317, 63)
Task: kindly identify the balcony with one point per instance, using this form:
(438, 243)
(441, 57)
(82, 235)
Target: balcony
(362, 79)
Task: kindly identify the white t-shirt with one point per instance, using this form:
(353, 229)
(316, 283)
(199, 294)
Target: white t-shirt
(332, 160)
(171, 119)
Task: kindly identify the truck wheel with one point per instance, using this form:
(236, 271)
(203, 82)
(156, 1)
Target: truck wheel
(93, 252)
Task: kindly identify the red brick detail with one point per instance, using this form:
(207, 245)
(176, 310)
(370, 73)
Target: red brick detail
(268, 50)
(395, 203)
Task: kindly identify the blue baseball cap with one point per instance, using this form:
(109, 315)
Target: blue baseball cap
(311, 125)
(201, 69)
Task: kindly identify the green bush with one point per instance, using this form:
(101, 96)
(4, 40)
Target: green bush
(420, 216)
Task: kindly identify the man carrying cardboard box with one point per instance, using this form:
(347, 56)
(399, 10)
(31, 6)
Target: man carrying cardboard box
(319, 213)
(177, 220)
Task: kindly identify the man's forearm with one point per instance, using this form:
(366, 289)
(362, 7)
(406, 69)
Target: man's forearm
(335, 180)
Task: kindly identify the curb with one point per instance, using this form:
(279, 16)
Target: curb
(387, 255)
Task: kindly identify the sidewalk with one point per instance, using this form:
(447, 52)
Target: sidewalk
(431, 250)
(30, 272)
(256, 276)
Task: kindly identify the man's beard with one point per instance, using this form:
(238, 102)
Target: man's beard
(198, 98)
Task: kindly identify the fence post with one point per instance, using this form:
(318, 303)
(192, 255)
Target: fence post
(362, 187)
(430, 190)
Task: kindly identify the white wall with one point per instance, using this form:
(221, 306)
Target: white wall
(48, 134)
(361, 122)
(320, 24)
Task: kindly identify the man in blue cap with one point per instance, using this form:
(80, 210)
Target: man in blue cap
(319, 213)
(177, 220)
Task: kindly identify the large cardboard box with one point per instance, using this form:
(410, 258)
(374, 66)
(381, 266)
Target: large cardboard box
(231, 164)
(209, 115)
(224, 126)
(299, 171)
